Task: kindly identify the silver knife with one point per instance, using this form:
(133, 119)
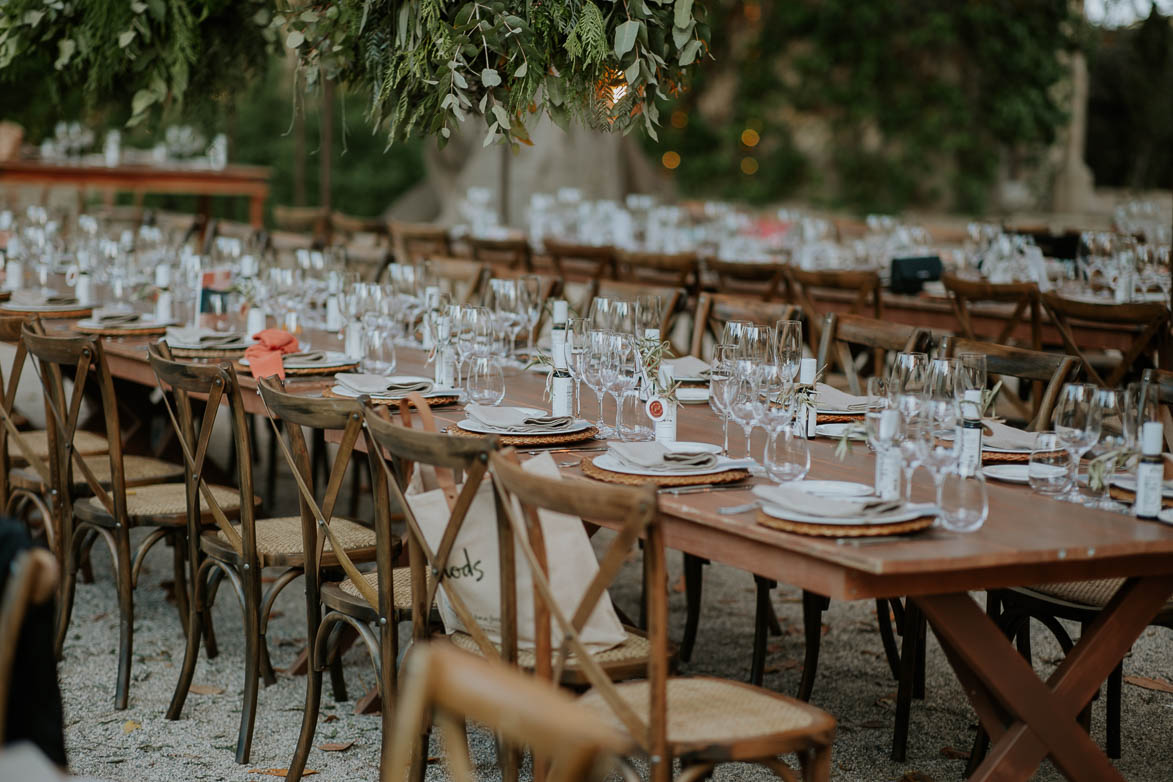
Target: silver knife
(704, 487)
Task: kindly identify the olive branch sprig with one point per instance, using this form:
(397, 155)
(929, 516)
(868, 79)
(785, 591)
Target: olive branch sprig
(652, 353)
(1101, 469)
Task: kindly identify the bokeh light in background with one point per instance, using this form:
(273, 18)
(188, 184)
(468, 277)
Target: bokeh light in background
(670, 160)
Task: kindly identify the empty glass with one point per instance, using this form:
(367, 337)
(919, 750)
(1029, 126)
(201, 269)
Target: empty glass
(721, 384)
(787, 456)
(1049, 471)
(788, 347)
(1114, 440)
(973, 371)
(908, 373)
(486, 381)
(962, 501)
(1077, 422)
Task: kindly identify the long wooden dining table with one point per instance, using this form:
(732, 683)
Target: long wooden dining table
(1027, 539)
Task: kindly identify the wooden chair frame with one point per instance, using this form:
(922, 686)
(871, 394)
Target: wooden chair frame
(1023, 295)
(462, 271)
(512, 252)
(85, 357)
(599, 260)
(672, 298)
(449, 687)
(714, 309)
(866, 284)
(1152, 318)
(32, 578)
(641, 266)
(839, 331)
(734, 275)
(411, 242)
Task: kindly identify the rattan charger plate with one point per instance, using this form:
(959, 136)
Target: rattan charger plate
(607, 476)
(835, 418)
(434, 401)
(141, 331)
(76, 312)
(309, 371)
(206, 353)
(996, 457)
(1128, 497)
(532, 439)
(846, 530)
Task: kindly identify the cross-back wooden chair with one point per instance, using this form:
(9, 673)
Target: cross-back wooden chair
(1051, 370)
(715, 721)
(32, 579)
(238, 552)
(714, 309)
(217, 227)
(580, 262)
(840, 333)
(365, 258)
(411, 242)
(765, 281)
(355, 603)
(449, 687)
(681, 270)
(963, 293)
(672, 298)
(98, 506)
(807, 284)
(461, 278)
(1149, 319)
(549, 287)
(510, 252)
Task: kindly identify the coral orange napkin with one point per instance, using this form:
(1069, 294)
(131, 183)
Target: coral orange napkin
(266, 357)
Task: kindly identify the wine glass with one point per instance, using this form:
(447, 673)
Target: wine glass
(1112, 446)
(595, 371)
(1077, 422)
(733, 331)
(649, 315)
(530, 289)
(788, 346)
(973, 371)
(914, 445)
(757, 344)
(720, 384)
(600, 313)
(744, 405)
(577, 333)
(944, 380)
(1049, 470)
(908, 373)
(622, 378)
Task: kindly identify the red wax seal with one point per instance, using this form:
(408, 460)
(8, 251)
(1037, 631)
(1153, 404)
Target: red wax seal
(656, 408)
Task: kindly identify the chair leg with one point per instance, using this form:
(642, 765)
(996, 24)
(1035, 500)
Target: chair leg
(887, 636)
(1115, 684)
(918, 681)
(337, 681)
(252, 665)
(65, 593)
(268, 675)
(908, 658)
(694, 574)
(309, 718)
(179, 561)
(271, 469)
(757, 667)
(191, 650)
(816, 764)
(813, 606)
(125, 619)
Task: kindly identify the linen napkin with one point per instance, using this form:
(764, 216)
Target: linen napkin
(365, 383)
(39, 299)
(687, 366)
(830, 398)
(116, 318)
(306, 357)
(657, 456)
(516, 419)
(1007, 437)
(266, 357)
(794, 499)
(196, 336)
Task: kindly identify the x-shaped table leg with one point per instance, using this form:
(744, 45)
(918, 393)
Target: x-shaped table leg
(1026, 718)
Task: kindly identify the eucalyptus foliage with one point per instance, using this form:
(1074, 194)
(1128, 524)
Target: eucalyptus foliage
(430, 64)
(140, 56)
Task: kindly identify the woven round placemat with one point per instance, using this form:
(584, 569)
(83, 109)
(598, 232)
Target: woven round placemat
(5, 295)
(76, 312)
(835, 418)
(994, 457)
(532, 439)
(846, 531)
(1128, 497)
(206, 353)
(143, 331)
(309, 371)
(607, 476)
(434, 401)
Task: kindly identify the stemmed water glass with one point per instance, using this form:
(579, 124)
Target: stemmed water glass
(530, 289)
(788, 347)
(1114, 437)
(595, 371)
(721, 383)
(1077, 422)
(744, 403)
(577, 333)
(973, 371)
(622, 376)
(908, 374)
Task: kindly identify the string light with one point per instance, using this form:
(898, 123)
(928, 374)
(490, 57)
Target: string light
(749, 166)
(679, 119)
(750, 137)
(670, 160)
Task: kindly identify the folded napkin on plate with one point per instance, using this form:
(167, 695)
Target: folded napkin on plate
(306, 357)
(794, 499)
(688, 366)
(266, 357)
(116, 318)
(516, 419)
(828, 398)
(1007, 437)
(38, 299)
(190, 336)
(657, 456)
(362, 383)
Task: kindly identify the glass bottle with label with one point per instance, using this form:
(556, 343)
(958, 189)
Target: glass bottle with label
(883, 439)
(561, 384)
(662, 410)
(1150, 471)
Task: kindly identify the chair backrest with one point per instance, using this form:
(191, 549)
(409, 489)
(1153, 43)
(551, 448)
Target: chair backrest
(1150, 319)
(513, 252)
(840, 332)
(53, 355)
(242, 231)
(179, 380)
(453, 687)
(1023, 295)
(407, 448)
(10, 436)
(767, 280)
(864, 284)
(642, 266)
(338, 415)
(314, 220)
(632, 511)
(32, 577)
(462, 278)
(1052, 370)
(573, 261)
(413, 242)
(670, 297)
(344, 227)
(714, 309)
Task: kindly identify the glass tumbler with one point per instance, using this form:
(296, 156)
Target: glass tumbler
(1049, 471)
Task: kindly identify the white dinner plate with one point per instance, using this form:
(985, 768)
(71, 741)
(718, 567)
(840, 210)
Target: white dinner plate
(836, 431)
(16, 307)
(333, 358)
(1010, 473)
(609, 461)
(906, 513)
(692, 396)
(1166, 516)
(472, 425)
(436, 391)
(1128, 483)
(144, 322)
(687, 446)
(833, 488)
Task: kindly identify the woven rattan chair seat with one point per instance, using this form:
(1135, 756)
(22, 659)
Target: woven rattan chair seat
(138, 471)
(85, 443)
(160, 502)
(629, 658)
(704, 711)
(1095, 593)
(401, 578)
(279, 540)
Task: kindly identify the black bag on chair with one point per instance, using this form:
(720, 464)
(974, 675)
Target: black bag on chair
(909, 275)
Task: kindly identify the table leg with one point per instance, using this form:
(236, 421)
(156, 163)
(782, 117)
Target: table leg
(1029, 719)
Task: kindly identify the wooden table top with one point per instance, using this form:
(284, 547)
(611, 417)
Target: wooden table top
(1027, 538)
(70, 170)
